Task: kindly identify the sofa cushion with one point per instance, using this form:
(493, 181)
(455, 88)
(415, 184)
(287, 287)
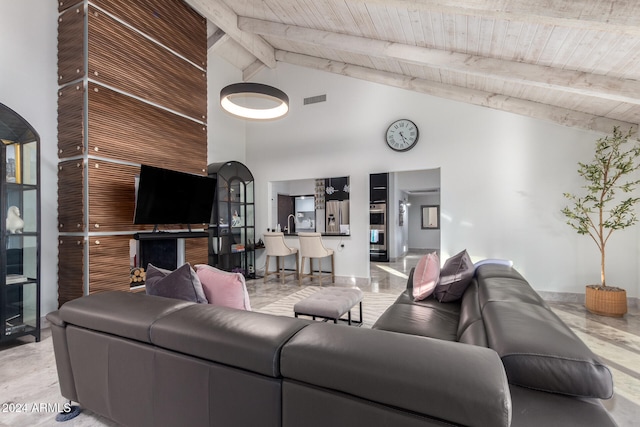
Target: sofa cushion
(470, 310)
(243, 339)
(508, 289)
(419, 320)
(471, 326)
(535, 409)
(126, 314)
(506, 262)
(223, 288)
(474, 334)
(487, 270)
(182, 283)
(455, 384)
(540, 352)
(455, 276)
(425, 276)
(430, 302)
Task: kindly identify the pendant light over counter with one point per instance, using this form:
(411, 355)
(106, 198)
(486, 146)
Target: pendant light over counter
(275, 101)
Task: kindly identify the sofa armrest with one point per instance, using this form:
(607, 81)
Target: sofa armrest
(457, 383)
(61, 352)
(55, 319)
(126, 314)
(242, 339)
(540, 352)
(533, 408)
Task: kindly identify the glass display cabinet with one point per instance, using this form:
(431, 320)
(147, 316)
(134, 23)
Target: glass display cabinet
(232, 233)
(19, 227)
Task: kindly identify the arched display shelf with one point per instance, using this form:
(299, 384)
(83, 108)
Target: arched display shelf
(232, 233)
(19, 227)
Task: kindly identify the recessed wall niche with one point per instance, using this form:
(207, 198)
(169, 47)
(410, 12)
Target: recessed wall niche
(124, 99)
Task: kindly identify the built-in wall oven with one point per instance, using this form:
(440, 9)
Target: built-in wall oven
(378, 214)
(378, 231)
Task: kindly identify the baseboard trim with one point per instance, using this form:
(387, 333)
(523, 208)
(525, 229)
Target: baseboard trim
(578, 298)
(353, 281)
(339, 280)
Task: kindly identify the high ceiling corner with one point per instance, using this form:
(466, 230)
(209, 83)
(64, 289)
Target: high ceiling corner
(576, 63)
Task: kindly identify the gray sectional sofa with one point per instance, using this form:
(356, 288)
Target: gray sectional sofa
(142, 360)
(554, 378)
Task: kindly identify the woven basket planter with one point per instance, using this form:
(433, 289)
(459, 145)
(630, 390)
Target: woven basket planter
(609, 301)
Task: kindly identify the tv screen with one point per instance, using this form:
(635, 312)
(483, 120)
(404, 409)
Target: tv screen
(165, 196)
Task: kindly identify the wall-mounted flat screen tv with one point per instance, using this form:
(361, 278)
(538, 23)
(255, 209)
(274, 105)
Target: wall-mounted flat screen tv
(164, 196)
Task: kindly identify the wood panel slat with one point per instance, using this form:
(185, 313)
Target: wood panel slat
(109, 265)
(70, 268)
(124, 128)
(172, 23)
(122, 58)
(70, 196)
(196, 251)
(66, 4)
(111, 196)
(71, 121)
(70, 45)
(112, 199)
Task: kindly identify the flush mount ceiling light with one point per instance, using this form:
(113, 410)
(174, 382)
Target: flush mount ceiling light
(263, 102)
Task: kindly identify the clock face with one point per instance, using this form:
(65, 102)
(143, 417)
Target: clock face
(402, 135)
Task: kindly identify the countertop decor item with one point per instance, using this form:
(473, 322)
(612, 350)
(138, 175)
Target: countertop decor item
(265, 102)
(600, 211)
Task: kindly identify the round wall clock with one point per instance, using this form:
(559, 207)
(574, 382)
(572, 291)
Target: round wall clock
(402, 135)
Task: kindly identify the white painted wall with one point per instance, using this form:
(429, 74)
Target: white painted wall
(411, 235)
(502, 175)
(28, 85)
(226, 134)
(419, 238)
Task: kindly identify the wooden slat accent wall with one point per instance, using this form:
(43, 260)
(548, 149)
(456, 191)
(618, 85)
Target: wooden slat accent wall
(111, 196)
(196, 251)
(70, 268)
(71, 121)
(140, 104)
(109, 263)
(123, 128)
(66, 4)
(122, 58)
(70, 196)
(168, 22)
(70, 45)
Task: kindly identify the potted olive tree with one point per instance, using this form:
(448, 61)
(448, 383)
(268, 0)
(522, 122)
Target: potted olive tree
(602, 210)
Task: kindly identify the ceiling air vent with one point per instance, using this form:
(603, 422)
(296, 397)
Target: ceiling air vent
(315, 99)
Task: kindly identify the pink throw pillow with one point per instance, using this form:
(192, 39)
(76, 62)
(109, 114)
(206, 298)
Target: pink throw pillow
(223, 288)
(425, 276)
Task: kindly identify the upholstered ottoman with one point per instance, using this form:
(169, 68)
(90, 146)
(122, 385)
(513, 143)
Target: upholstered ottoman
(331, 303)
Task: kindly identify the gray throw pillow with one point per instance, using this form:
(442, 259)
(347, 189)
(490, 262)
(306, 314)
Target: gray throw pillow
(455, 277)
(182, 283)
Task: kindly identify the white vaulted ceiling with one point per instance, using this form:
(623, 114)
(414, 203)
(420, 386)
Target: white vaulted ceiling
(573, 62)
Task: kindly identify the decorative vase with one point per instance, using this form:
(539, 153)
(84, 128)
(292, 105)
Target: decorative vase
(606, 301)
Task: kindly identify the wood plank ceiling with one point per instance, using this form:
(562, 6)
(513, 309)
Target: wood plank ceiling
(573, 62)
